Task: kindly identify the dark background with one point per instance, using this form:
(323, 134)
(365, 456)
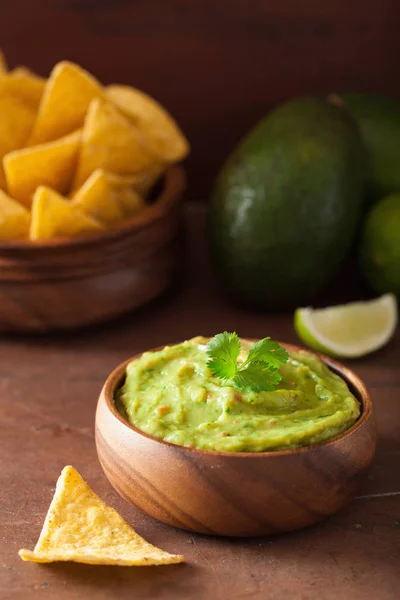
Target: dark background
(218, 65)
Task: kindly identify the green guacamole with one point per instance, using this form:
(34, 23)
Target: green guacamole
(172, 395)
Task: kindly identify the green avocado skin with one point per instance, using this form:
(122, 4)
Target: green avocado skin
(286, 204)
(378, 119)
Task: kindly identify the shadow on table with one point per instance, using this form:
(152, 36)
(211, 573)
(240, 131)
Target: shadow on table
(146, 581)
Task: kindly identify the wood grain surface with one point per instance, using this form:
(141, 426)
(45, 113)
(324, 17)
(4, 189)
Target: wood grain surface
(217, 65)
(49, 391)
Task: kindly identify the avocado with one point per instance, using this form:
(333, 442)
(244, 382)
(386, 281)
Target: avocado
(286, 204)
(378, 119)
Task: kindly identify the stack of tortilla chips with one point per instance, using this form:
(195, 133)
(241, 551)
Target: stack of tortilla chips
(77, 157)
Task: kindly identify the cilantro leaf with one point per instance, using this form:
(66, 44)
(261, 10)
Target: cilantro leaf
(259, 372)
(223, 351)
(268, 351)
(258, 376)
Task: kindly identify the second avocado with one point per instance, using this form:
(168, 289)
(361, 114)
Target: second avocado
(287, 203)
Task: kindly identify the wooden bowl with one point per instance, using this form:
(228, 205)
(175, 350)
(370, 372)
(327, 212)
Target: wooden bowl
(63, 284)
(230, 493)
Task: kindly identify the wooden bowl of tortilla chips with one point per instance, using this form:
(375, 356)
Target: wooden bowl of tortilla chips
(63, 284)
(90, 199)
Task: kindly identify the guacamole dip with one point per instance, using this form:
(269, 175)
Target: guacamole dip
(172, 395)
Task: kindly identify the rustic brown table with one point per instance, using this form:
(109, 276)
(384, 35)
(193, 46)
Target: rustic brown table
(49, 389)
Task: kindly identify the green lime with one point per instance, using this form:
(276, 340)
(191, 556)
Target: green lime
(348, 330)
(380, 246)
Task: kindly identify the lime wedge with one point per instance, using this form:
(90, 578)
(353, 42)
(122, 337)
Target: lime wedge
(348, 330)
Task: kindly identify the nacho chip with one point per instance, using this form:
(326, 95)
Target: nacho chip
(68, 93)
(51, 164)
(80, 527)
(24, 85)
(160, 129)
(3, 63)
(110, 142)
(108, 198)
(142, 182)
(3, 183)
(130, 201)
(14, 218)
(99, 198)
(54, 217)
(16, 121)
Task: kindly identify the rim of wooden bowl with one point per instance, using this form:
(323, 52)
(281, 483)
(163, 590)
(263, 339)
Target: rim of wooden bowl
(114, 380)
(174, 183)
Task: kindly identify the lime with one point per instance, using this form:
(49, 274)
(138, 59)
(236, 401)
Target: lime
(348, 330)
(380, 246)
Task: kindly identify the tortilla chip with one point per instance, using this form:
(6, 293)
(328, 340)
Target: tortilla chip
(112, 143)
(16, 121)
(131, 202)
(107, 198)
(130, 198)
(142, 182)
(99, 199)
(14, 218)
(3, 63)
(160, 129)
(80, 527)
(68, 93)
(24, 85)
(54, 217)
(51, 164)
(3, 183)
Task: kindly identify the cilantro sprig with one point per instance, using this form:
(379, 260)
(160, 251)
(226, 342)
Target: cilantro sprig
(258, 373)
